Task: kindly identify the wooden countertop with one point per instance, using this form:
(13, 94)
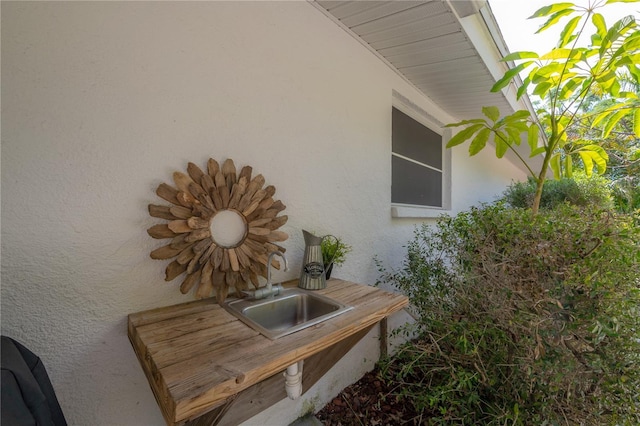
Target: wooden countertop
(196, 354)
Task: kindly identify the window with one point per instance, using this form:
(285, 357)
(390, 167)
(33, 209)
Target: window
(419, 165)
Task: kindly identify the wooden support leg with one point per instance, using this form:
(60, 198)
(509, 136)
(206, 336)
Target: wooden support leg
(384, 345)
(262, 395)
(317, 365)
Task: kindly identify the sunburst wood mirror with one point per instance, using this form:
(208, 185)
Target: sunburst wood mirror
(222, 225)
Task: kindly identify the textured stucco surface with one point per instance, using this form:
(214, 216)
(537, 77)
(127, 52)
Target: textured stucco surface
(101, 102)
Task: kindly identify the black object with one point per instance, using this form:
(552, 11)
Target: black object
(327, 270)
(28, 397)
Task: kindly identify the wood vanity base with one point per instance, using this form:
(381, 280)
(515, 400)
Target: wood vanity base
(205, 367)
(263, 395)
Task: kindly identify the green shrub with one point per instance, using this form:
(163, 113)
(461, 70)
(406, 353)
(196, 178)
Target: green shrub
(626, 195)
(520, 320)
(579, 190)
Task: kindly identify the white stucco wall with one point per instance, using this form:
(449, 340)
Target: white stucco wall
(101, 102)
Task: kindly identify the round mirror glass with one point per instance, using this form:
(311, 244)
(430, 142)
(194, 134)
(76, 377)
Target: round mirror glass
(228, 228)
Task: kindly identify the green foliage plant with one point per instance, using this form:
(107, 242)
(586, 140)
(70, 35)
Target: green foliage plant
(626, 195)
(578, 190)
(334, 250)
(564, 78)
(620, 142)
(521, 320)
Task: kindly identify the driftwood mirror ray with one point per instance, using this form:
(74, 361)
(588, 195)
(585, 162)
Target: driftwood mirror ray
(222, 226)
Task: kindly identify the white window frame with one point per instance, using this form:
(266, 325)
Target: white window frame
(418, 114)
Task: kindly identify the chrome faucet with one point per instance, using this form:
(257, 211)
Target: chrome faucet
(286, 268)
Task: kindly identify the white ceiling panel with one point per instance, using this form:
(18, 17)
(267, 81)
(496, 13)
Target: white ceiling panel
(443, 68)
(435, 56)
(457, 73)
(429, 45)
(350, 8)
(417, 13)
(413, 32)
(380, 11)
(426, 43)
(331, 4)
(456, 93)
(467, 82)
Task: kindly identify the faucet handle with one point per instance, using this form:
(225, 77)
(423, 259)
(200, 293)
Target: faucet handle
(286, 267)
(278, 253)
(264, 292)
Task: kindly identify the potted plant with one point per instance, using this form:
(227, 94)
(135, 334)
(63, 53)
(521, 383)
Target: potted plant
(334, 252)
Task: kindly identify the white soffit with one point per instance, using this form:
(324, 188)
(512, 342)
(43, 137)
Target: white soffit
(431, 46)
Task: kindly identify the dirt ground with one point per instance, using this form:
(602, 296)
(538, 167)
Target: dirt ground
(368, 402)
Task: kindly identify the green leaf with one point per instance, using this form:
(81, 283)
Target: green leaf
(596, 40)
(601, 163)
(547, 10)
(523, 89)
(557, 53)
(553, 19)
(555, 166)
(533, 72)
(479, 142)
(629, 95)
(567, 32)
(532, 136)
(601, 117)
(547, 70)
(537, 151)
(621, 1)
(586, 84)
(597, 149)
(612, 121)
(631, 44)
(587, 53)
(542, 89)
(628, 60)
(581, 142)
(614, 88)
(590, 157)
(618, 29)
(520, 55)
(521, 126)
(463, 135)
(508, 76)
(501, 147)
(465, 122)
(561, 140)
(603, 78)
(599, 23)
(571, 38)
(514, 134)
(569, 87)
(568, 166)
(518, 115)
(547, 74)
(587, 162)
(636, 122)
(491, 112)
(634, 71)
(563, 121)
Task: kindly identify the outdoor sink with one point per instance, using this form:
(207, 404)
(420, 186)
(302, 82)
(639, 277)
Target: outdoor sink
(290, 311)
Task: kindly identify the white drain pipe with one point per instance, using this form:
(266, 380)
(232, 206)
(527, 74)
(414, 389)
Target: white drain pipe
(293, 380)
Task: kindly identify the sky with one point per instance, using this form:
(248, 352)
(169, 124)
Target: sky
(519, 32)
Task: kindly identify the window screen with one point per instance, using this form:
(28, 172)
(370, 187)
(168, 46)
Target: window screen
(416, 163)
